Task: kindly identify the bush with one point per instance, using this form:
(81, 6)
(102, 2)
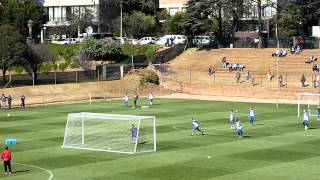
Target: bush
(148, 77)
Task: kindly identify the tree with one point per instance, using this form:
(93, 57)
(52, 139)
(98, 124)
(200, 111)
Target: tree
(17, 13)
(12, 48)
(175, 25)
(145, 6)
(138, 25)
(197, 20)
(36, 56)
(101, 50)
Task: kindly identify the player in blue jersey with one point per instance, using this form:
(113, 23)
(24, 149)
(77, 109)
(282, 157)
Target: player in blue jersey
(251, 115)
(239, 128)
(195, 126)
(306, 115)
(134, 133)
(231, 119)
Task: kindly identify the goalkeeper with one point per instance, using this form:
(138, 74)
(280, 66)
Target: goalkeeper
(134, 132)
(195, 126)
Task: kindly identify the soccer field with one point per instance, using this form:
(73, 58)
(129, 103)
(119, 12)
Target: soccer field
(277, 147)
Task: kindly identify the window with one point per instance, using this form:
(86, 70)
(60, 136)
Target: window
(173, 11)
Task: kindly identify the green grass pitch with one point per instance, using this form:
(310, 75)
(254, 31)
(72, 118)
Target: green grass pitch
(277, 147)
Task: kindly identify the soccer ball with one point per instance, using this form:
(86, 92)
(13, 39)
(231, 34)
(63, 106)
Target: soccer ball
(8, 114)
(209, 157)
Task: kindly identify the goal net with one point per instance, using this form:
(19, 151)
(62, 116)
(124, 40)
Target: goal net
(308, 101)
(110, 132)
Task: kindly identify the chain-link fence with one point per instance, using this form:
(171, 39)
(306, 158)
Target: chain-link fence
(225, 77)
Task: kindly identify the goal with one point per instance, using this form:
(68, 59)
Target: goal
(308, 101)
(110, 132)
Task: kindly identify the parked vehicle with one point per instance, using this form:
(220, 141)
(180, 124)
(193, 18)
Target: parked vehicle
(169, 40)
(132, 41)
(101, 35)
(206, 41)
(147, 40)
(62, 41)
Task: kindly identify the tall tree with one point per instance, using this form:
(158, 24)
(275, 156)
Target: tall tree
(12, 48)
(18, 13)
(35, 57)
(145, 6)
(197, 17)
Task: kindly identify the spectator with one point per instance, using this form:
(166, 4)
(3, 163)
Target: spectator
(9, 101)
(210, 71)
(269, 75)
(312, 59)
(171, 41)
(283, 53)
(256, 42)
(224, 62)
(167, 42)
(315, 68)
(298, 50)
(253, 80)
(238, 76)
(293, 49)
(303, 80)
(317, 80)
(248, 75)
(23, 105)
(280, 81)
(3, 100)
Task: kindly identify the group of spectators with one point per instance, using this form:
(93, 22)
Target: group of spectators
(170, 42)
(296, 49)
(230, 66)
(279, 53)
(6, 101)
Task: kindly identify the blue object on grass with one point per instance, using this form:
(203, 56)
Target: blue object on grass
(10, 141)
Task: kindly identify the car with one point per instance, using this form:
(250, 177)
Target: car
(132, 41)
(62, 41)
(177, 39)
(206, 41)
(147, 40)
(101, 35)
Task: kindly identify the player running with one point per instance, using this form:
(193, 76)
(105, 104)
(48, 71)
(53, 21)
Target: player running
(239, 128)
(306, 115)
(195, 126)
(251, 115)
(231, 119)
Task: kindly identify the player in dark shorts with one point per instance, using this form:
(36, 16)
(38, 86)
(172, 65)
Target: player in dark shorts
(22, 105)
(9, 101)
(135, 100)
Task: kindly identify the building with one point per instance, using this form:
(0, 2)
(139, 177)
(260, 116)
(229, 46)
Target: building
(63, 12)
(173, 6)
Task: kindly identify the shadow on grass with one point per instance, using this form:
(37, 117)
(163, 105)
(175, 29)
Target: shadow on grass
(20, 171)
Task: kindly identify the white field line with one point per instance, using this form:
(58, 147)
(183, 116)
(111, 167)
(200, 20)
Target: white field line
(37, 167)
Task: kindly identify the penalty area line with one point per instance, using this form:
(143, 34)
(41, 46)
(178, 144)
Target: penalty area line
(37, 167)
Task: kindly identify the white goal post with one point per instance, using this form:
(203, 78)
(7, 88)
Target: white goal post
(308, 101)
(110, 132)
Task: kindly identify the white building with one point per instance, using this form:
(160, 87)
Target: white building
(173, 6)
(61, 12)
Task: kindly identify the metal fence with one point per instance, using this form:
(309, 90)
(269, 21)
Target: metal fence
(227, 78)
